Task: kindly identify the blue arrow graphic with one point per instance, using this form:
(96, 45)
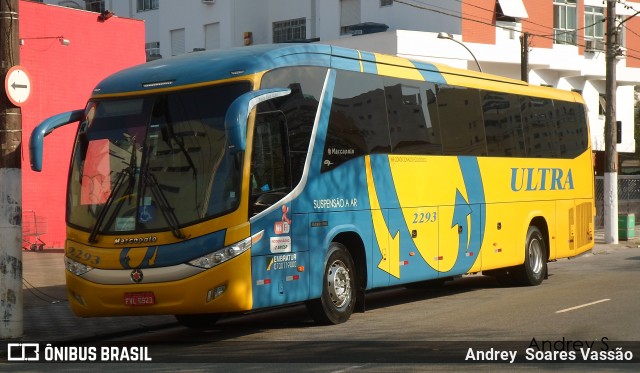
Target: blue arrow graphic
(469, 244)
(460, 213)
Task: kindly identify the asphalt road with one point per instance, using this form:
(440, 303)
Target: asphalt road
(592, 300)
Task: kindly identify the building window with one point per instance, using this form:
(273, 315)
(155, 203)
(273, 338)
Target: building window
(177, 42)
(594, 22)
(70, 4)
(212, 36)
(152, 50)
(290, 30)
(147, 5)
(349, 15)
(386, 3)
(622, 33)
(602, 105)
(94, 5)
(565, 16)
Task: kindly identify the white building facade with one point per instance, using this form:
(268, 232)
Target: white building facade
(566, 47)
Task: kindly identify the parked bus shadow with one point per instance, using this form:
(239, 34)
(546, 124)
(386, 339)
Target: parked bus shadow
(296, 317)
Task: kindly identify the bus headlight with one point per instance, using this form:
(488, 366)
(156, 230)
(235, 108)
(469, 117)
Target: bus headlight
(76, 268)
(222, 255)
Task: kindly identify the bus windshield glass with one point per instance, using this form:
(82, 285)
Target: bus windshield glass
(154, 162)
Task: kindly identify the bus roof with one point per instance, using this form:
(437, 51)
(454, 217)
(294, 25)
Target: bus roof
(198, 68)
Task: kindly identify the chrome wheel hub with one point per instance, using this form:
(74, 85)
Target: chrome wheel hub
(339, 284)
(535, 256)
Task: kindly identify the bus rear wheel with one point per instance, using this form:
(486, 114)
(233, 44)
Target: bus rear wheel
(198, 321)
(338, 299)
(534, 269)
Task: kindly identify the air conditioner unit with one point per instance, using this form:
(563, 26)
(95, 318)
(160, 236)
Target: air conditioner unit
(209, 2)
(594, 45)
(589, 45)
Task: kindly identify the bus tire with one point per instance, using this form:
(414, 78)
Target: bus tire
(338, 298)
(198, 321)
(534, 269)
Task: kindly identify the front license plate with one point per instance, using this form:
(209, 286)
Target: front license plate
(146, 298)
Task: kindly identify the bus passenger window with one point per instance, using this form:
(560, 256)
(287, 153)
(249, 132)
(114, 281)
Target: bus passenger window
(461, 121)
(540, 130)
(299, 107)
(503, 124)
(412, 127)
(358, 119)
(572, 128)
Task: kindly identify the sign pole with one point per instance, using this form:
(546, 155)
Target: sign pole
(610, 125)
(11, 300)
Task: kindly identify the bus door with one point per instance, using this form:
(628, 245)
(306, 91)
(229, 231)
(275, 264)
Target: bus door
(279, 258)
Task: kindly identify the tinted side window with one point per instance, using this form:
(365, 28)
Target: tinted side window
(413, 128)
(572, 128)
(461, 121)
(503, 124)
(540, 131)
(358, 119)
(269, 169)
(299, 108)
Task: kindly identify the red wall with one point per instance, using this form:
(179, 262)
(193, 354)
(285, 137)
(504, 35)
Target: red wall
(633, 43)
(478, 21)
(540, 22)
(62, 79)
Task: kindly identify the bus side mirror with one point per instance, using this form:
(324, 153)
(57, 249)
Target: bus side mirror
(236, 119)
(36, 141)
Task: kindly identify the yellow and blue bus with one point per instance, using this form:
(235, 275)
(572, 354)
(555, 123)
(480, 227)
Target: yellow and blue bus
(223, 182)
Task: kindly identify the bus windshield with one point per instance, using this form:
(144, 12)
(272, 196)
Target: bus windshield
(154, 162)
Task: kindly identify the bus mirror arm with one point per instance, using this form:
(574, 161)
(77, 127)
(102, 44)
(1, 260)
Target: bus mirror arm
(36, 141)
(236, 119)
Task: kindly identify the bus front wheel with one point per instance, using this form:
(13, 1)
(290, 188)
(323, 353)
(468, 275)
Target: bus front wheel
(534, 269)
(337, 301)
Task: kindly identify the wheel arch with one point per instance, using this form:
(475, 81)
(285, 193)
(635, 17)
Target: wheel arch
(541, 223)
(354, 243)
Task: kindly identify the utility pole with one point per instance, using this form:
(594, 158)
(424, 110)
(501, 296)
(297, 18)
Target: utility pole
(524, 57)
(610, 130)
(11, 303)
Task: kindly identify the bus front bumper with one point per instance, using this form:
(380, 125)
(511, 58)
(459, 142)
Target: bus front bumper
(225, 288)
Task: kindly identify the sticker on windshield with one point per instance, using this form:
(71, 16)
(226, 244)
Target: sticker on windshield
(125, 223)
(146, 213)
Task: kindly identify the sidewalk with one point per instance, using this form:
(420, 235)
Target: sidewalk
(47, 315)
(602, 247)
(48, 318)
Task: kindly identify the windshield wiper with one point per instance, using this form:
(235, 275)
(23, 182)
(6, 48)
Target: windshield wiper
(127, 173)
(165, 207)
(122, 175)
